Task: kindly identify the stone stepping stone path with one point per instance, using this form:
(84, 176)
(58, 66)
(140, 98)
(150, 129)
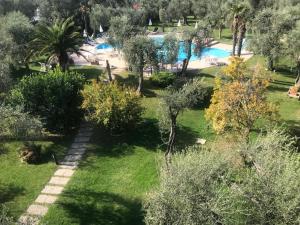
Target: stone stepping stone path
(60, 178)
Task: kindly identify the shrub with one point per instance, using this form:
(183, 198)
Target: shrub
(209, 187)
(30, 153)
(54, 96)
(5, 219)
(115, 107)
(163, 79)
(15, 123)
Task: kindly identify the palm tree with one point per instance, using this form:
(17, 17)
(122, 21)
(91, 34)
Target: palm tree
(57, 41)
(238, 27)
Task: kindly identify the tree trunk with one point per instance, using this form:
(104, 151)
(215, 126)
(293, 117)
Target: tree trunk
(241, 36)
(163, 27)
(234, 33)
(270, 63)
(187, 60)
(63, 60)
(141, 81)
(297, 82)
(171, 141)
(108, 71)
(185, 22)
(220, 31)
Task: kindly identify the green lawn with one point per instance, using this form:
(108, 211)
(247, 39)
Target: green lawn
(112, 182)
(20, 183)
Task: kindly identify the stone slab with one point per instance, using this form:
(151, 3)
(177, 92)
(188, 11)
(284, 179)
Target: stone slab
(37, 210)
(85, 129)
(64, 172)
(59, 181)
(68, 167)
(76, 151)
(82, 139)
(84, 134)
(72, 158)
(26, 219)
(79, 145)
(46, 199)
(69, 163)
(52, 190)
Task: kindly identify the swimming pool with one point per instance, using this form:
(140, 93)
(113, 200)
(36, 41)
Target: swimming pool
(205, 52)
(104, 46)
(158, 40)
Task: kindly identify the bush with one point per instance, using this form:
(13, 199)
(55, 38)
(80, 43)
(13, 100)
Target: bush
(163, 79)
(209, 187)
(5, 219)
(54, 96)
(15, 123)
(115, 107)
(30, 153)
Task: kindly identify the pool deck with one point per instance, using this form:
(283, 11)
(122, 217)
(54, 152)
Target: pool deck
(118, 63)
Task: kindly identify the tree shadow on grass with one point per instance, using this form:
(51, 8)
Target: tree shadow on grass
(101, 208)
(146, 135)
(9, 191)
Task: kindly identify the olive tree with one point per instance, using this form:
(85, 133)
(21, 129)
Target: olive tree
(140, 51)
(15, 123)
(198, 36)
(269, 29)
(175, 101)
(17, 32)
(293, 49)
(120, 30)
(212, 186)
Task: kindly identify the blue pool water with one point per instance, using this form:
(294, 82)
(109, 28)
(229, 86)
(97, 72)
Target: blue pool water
(104, 46)
(205, 52)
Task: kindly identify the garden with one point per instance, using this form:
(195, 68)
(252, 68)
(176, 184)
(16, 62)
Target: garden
(213, 145)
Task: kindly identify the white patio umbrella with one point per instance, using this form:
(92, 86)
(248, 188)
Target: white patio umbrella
(196, 25)
(37, 15)
(101, 29)
(179, 23)
(84, 33)
(150, 22)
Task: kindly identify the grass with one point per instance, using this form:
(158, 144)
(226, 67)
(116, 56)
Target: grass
(20, 183)
(111, 184)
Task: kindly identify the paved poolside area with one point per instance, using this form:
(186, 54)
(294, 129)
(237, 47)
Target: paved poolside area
(118, 63)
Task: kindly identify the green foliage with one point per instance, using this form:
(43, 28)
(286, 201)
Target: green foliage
(140, 51)
(204, 186)
(57, 41)
(15, 32)
(30, 153)
(53, 96)
(170, 48)
(270, 27)
(120, 30)
(163, 79)
(5, 219)
(5, 79)
(17, 124)
(115, 107)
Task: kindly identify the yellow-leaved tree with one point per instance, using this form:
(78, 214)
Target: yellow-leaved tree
(240, 100)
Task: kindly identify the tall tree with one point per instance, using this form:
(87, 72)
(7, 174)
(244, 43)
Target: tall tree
(236, 105)
(198, 36)
(57, 41)
(238, 26)
(16, 31)
(269, 28)
(120, 30)
(293, 50)
(175, 101)
(140, 51)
